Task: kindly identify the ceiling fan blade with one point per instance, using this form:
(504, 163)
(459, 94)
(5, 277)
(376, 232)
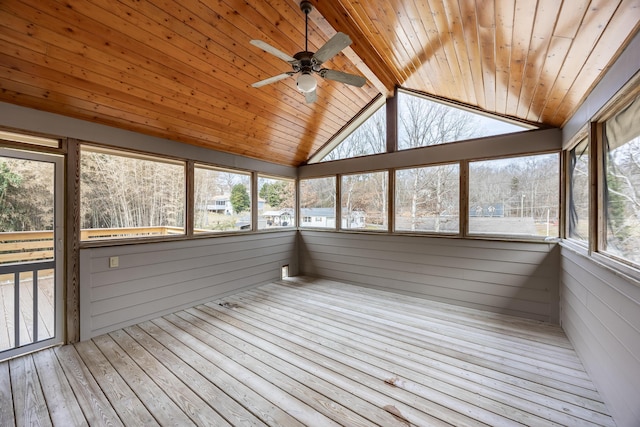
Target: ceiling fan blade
(272, 50)
(339, 76)
(273, 79)
(311, 97)
(331, 48)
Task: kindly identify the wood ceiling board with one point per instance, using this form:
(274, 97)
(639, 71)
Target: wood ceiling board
(471, 43)
(189, 88)
(627, 15)
(180, 77)
(460, 49)
(545, 18)
(505, 13)
(183, 69)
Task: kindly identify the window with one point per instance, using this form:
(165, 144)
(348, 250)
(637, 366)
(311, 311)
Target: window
(364, 201)
(124, 195)
(427, 199)
(422, 122)
(222, 200)
(276, 206)
(515, 196)
(369, 138)
(622, 183)
(578, 197)
(318, 202)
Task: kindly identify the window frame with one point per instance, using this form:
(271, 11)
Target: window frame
(509, 237)
(335, 207)
(600, 224)
(389, 202)
(139, 155)
(189, 208)
(459, 232)
(594, 131)
(579, 138)
(210, 233)
(526, 126)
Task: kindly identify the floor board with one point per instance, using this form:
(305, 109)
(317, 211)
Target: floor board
(311, 352)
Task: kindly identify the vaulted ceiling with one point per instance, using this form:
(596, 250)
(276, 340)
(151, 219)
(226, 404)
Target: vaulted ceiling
(183, 69)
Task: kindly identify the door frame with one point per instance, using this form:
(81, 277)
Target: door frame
(58, 160)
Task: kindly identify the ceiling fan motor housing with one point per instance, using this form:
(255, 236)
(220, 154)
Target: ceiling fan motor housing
(305, 62)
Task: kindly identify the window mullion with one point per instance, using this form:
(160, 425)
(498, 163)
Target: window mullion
(190, 210)
(597, 217)
(463, 229)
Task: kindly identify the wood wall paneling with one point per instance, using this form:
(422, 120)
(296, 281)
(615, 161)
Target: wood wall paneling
(508, 277)
(158, 278)
(601, 316)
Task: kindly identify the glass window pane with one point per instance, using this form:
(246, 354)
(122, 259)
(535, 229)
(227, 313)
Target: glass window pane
(124, 196)
(515, 197)
(369, 138)
(222, 200)
(579, 192)
(428, 198)
(422, 122)
(276, 202)
(364, 201)
(622, 190)
(26, 210)
(318, 202)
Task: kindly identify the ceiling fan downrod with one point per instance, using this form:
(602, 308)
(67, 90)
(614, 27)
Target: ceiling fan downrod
(306, 7)
(306, 83)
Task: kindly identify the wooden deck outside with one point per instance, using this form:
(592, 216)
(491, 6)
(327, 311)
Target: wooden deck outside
(45, 309)
(309, 352)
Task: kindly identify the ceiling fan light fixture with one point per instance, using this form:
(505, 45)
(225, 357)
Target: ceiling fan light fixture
(306, 83)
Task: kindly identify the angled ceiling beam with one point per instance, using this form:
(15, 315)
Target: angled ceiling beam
(329, 31)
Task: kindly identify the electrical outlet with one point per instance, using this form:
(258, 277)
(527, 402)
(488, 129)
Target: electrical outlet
(114, 261)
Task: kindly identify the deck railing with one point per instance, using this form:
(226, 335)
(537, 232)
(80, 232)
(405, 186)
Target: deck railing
(25, 246)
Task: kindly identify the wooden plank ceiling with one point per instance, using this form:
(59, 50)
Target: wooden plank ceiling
(182, 69)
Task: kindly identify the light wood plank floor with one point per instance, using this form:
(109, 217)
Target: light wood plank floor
(309, 352)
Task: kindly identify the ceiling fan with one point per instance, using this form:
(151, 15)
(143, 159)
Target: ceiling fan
(307, 63)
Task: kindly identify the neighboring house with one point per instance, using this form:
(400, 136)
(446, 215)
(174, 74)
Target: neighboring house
(318, 217)
(221, 204)
(326, 218)
(353, 219)
(492, 210)
(279, 218)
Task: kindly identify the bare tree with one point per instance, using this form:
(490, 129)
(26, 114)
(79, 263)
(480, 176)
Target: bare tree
(425, 123)
(119, 191)
(369, 138)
